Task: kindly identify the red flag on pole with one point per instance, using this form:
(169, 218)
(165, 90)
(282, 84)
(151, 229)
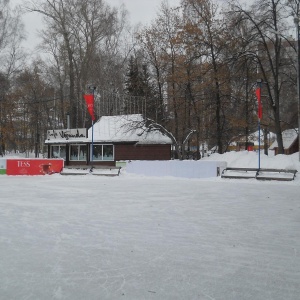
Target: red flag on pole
(258, 95)
(89, 99)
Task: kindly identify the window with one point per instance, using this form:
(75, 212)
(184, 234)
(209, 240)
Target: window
(58, 151)
(103, 152)
(108, 152)
(78, 152)
(97, 152)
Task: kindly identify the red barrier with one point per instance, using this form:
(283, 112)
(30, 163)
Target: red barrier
(33, 166)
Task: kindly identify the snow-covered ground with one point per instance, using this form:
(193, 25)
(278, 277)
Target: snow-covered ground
(134, 237)
(250, 159)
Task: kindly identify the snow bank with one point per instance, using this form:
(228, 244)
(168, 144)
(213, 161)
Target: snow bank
(210, 166)
(245, 159)
(177, 168)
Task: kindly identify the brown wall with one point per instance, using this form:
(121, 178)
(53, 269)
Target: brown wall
(142, 152)
(131, 152)
(293, 148)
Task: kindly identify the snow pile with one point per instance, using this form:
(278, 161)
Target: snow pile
(176, 168)
(245, 159)
(21, 154)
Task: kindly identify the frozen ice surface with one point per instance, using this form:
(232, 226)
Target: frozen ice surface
(133, 237)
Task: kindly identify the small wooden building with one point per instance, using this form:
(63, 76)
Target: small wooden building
(252, 143)
(290, 139)
(114, 138)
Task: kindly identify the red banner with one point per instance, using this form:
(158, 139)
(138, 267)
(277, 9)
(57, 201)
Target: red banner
(258, 95)
(29, 166)
(89, 99)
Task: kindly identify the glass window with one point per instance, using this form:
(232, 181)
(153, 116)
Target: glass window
(63, 152)
(82, 152)
(97, 152)
(103, 152)
(58, 151)
(78, 152)
(74, 152)
(108, 152)
(54, 151)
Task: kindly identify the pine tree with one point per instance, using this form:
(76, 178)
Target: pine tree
(139, 89)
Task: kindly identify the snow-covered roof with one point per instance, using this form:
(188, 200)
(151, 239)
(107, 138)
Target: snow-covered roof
(288, 137)
(254, 138)
(126, 128)
(118, 129)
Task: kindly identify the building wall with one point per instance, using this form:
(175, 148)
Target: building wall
(142, 152)
(127, 152)
(293, 148)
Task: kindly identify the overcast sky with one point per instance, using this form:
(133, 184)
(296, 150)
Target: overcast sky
(140, 11)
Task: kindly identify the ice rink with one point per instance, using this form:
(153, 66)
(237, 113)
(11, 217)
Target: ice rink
(133, 237)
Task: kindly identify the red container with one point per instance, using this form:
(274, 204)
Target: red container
(33, 166)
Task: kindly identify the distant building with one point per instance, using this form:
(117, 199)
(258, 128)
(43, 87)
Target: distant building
(114, 138)
(290, 142)
(251, 143)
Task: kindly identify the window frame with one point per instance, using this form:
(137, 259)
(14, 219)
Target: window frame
(59, 151)
(78, 152)
(102, 145)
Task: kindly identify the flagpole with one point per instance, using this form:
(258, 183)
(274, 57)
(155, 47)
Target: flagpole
(92, 151)
(259, 114)
(90, 99)
(258, 144)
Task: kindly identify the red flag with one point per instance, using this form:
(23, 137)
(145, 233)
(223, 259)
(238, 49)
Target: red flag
(258, 95)
(89, 99)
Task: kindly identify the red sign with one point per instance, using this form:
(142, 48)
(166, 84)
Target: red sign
(33, 166)
(89, 99)
(258, 95)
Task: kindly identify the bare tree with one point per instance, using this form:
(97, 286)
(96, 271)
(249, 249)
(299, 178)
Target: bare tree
(11, 36)
(83, 29)
(164, 51)
(205, 15)
(267, 46)
(11, 59)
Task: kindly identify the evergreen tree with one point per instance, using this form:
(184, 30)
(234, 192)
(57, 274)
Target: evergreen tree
(138, 88)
